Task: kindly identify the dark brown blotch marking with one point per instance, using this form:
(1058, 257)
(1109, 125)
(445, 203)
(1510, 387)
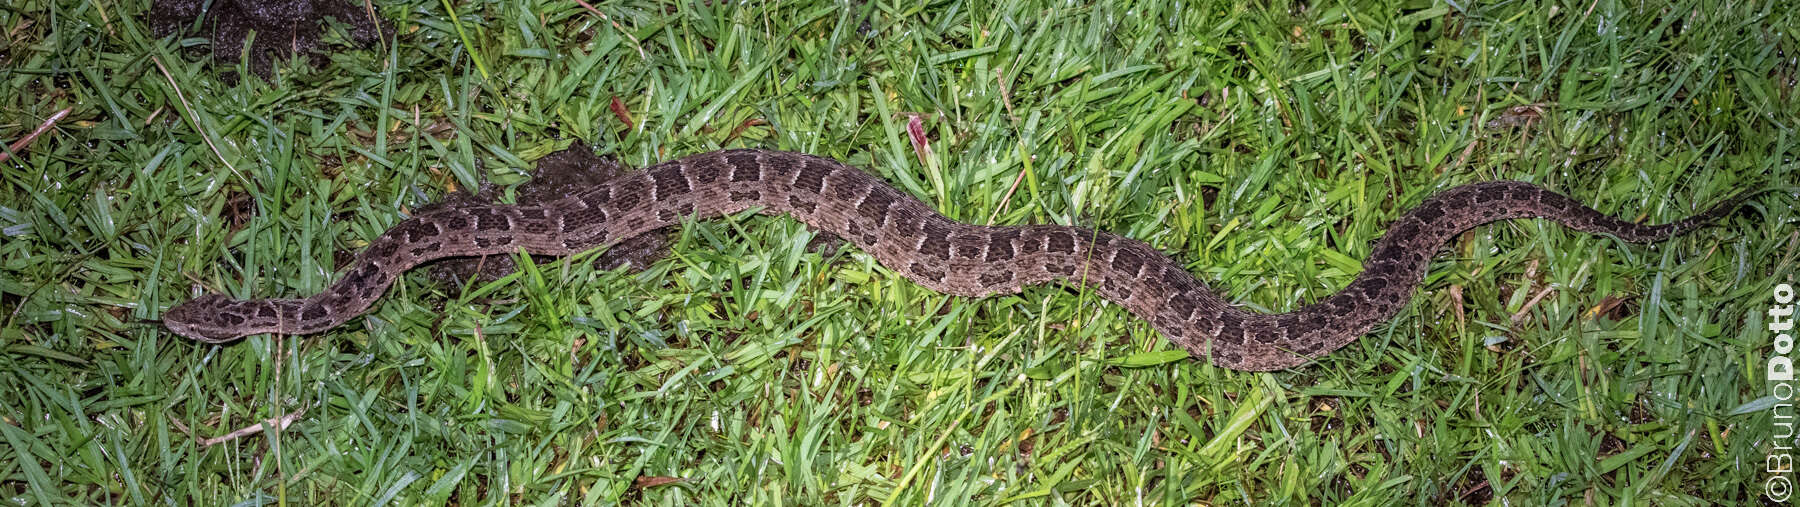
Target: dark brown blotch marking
(629, 194)
(1379, 268)
(1490, 194)
(746, 171)
(937, 240)
(1405, 230)
(812, 175)
(966, 246)
(750, 196)
(1176, 281)
(1375, 284)
(1232, 326)
(669, 181)
(384, 248)
(1061, 242)
(877, 202)
(487, 219)
(1030, 244)
(1523, 193)
(1556, 203)
(744, 167)
(706, 170)
(903, 223)
(993, 278)
(846, 186)
(1182, 306)
(416, 230)
(583, 218)
(926, 272)
(801, 204)
(1116, 287)
(1430, 211)
(1000, 247)
(1309, 347)
(1303, 326)
(1127, 262)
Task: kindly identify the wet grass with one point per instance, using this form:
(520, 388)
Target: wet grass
(1265, 147)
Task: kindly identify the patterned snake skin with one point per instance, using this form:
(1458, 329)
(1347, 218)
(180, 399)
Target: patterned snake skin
(909, 237)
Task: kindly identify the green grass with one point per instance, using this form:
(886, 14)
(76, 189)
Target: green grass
(1264, 146)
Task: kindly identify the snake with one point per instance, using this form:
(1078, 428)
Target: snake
(910, 238)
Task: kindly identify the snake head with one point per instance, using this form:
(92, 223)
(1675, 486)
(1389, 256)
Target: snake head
(212, 318)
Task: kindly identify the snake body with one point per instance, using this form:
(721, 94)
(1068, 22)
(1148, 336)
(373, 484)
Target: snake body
(909, 237)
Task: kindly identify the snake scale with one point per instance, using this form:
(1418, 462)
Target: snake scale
(909, 237)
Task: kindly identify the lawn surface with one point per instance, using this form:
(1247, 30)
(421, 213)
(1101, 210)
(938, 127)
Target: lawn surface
(1265, 147)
